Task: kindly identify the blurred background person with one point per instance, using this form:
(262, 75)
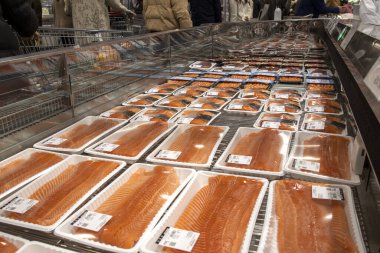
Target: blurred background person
(19, 15)
(318, 7)
(240, 10)
(62, 20)
(205, 11)
(164, 15)
(37, 7)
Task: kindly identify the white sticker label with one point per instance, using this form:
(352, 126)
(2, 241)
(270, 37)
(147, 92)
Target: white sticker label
(248, 94)
(306, 165)
(178, 239)
(235, 106)
(270, 124)
(54, 141)
(184, 91)
(315, 125)
(212, 93)
(153, 90)
(283, 96)
(325, 192)
(239, 159)
(107, 147)
(314, 95)
(92, 221)
(169, 154)
(316, 108)
(106, 114)
(277, 108)
(19, 205)
(133, 100)
(143, 118)
(184, 120)
(197, 105)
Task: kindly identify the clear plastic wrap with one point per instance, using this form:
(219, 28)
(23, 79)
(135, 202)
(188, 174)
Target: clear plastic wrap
(122, 112)
(287, 93)
(209, 103)
(245, 105)
(157, 114)
(281, 121)
(176, 101)
(324, 123)
(165, 88)
(144, 99)
(298, 220)
(196, 117)
(193, 91)
(323, 106)
(255, 93)
(283, 105)
(222, 92)
(313, 94)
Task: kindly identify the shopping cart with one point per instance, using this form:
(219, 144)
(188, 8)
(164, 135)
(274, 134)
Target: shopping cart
(53, 38)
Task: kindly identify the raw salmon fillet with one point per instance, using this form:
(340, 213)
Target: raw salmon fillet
(123, 112)
(19, 170)
(6, 246)
(264, 147)
(61, 193)
(195, 143)
(287, 121)
(81, 134)
(305, 224)
(333, 124)
(220, 212)
(332, 152)
(133, 206)
(135, 139)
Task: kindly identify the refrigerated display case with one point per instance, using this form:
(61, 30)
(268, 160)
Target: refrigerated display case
(47, 92)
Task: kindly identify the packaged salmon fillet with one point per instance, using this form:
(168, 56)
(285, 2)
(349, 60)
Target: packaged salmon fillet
(323, 158)
(258, 84)
(324, 106)
(281, 121)
(213, 206)
(164, 88)
(255, 93)
(286, 93)
(209, 103)
(316, 94)
(298, 211)
(196, 117)
(133, 204)
(193, 91)
(10, 243)
(245, 105)
(144, 100)
(159, 114)
(324, 123)
(122, 112)
(226, 92)
(283, 105)
(176, 101)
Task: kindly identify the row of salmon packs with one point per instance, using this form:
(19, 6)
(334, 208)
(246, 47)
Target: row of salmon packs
(158, 208)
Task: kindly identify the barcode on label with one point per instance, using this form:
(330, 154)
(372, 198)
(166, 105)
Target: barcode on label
(19, 205)
(306, 165)
(327, 192)
(235, 106)
(168, 154)
(239, 159)
(54, 141)
(270, 124)
(107, 147)
(277, 108)
(178, 239)
(315, 125)
(106, 114)
(212, 93)
(91, 220)
(153, 90)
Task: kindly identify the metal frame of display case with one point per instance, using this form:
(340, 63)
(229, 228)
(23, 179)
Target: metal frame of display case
(148, 59)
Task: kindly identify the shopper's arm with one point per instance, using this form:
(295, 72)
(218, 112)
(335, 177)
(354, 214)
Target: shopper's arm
(118, 6)
(323, 9)
(20, 16)
(218, 11)
(181, 13)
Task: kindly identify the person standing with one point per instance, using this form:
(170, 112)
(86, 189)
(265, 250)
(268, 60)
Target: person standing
(19, 15)
(317, 7)
(240, 10)
(205, 11)
(37, 7)
(61, 20)
(164, 15)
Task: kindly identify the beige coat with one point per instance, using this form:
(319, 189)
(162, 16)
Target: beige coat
(164, 15)
(60, 18)
(93, 14)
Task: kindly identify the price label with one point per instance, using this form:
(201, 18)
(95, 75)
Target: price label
(153, 90)
(239, 159)
(314, 95)
(19, 205)
(91, 220)
(106, 114)
(212, 93)
(143, 118)
(133, 100)
(184, 120)
(270, 124)
(317, 108)
(325, 192)
(306, 165)
(277, 108)
(235, 106)
(315, 125)
(107, 147)
(168, 154)
(197, 105)
(54, 141)
(178, 239)
(183, 91)
(282, 96)
(248, 94)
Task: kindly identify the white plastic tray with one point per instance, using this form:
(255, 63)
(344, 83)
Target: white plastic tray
(142, 96)
(15, 240)
(260, 118)
(145, 117)
(25, 155)
(243, 131)
(200, 180)
(269, 234)
(198, 101)
(234, 101)
(175, 119)
(307, 108)
(27, 191)
(267, 108)
(66, 230)
(107, 114)
(300, 137)
(86, 121)
(37, 247)
(300, 91)
(305, 121)
(115, 136)
(180, 129)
